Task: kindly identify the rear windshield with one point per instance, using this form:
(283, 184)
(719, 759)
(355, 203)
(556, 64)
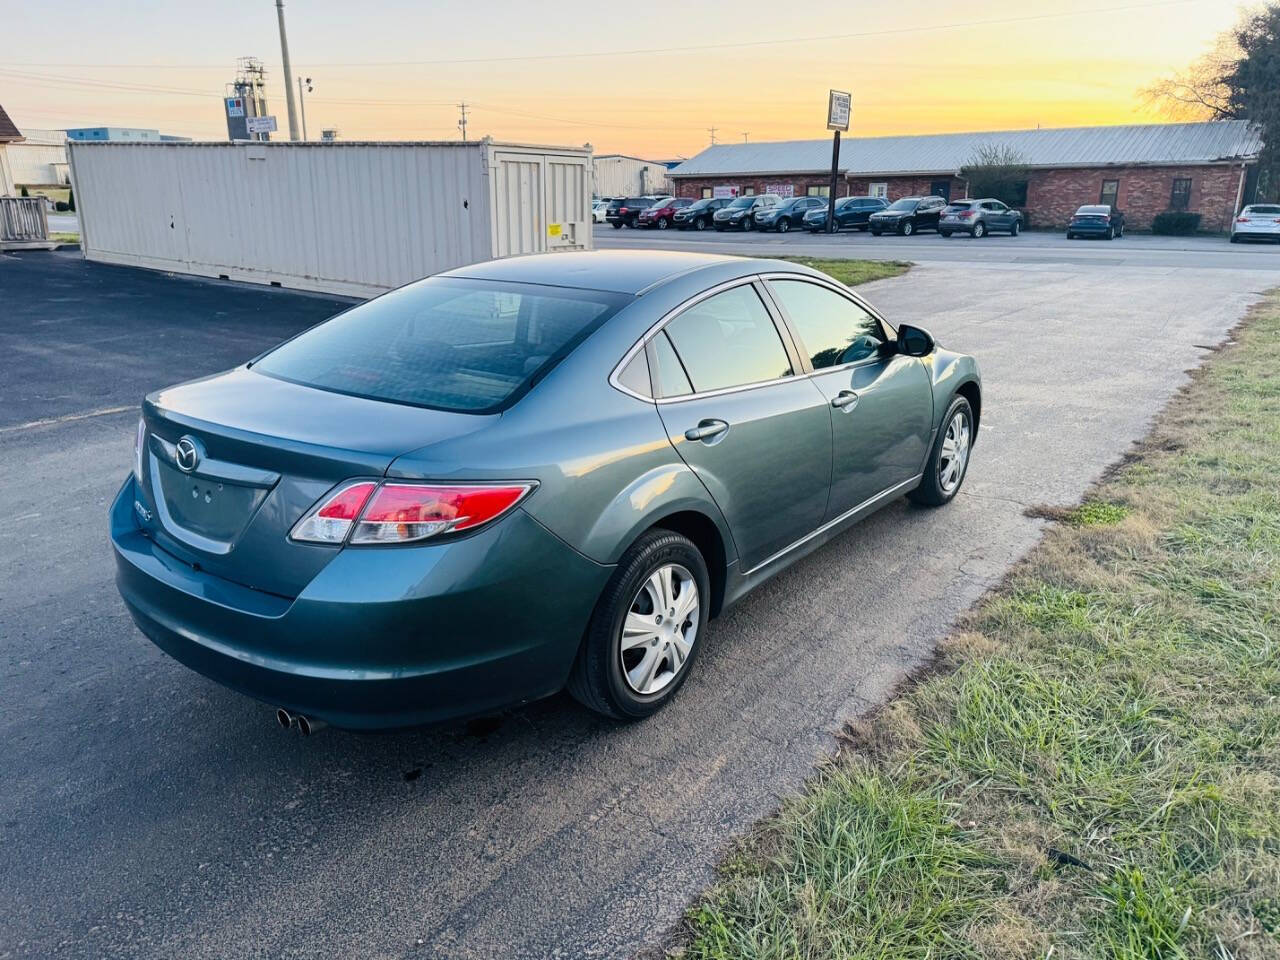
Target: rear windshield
(1093, 211)
(464, 345)
(1262, 208)
(960, 205)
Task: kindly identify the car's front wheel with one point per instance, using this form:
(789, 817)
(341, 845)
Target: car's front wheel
(784, 225)
(949, 459)
(662, 223)
(907, 229)
(700, 223)
(647, 628)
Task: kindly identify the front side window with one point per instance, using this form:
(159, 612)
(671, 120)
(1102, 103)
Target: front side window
(1180, 198)
(835, 330)
(465, 345)
(1110, 190)
(729, 340)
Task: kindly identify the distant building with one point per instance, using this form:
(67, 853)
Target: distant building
(1208, 168)
(40, 159)
(617, 175)
(118, 134)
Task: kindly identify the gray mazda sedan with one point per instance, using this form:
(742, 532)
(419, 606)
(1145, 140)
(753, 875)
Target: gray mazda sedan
(523, 475)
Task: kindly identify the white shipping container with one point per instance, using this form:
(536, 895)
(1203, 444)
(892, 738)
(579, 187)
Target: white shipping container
(344, 217)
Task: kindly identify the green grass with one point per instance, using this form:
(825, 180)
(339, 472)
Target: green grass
(64, 237)
(1094, 768)
(853, 272)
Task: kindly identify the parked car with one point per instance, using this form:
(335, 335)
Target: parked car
(598, 210)
(979, 217)
(699, 213)
(740, 213)
(522, 475)
(908, 215)
(661, 213)
(625, 211)
(850, 212)
(788, 213)
(1258, 220)
(1096, 220)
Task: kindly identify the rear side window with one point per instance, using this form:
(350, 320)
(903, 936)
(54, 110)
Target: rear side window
(834, 330)
(729, 340)
(472, 346)
(668, 373)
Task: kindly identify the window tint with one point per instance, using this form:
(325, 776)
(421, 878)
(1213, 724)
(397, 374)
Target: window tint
(729, 340)
(1264, 209)
(668, 375)
(1110, 190)
(466, 345)
(1180, 197)
(835, 330)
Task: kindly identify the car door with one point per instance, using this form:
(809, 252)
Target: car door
(929, 213)
(997, 215)
(881, 401)
(757, 434)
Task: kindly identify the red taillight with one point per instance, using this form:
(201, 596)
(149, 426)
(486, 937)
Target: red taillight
(330, 520)
(966, 214)
(1246, 220)
(368, 513)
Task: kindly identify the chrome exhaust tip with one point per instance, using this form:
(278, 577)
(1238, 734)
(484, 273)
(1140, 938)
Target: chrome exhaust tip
(308, 726)
(285, 718)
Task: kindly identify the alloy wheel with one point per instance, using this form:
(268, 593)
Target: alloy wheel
(659, 629)
(955, 453)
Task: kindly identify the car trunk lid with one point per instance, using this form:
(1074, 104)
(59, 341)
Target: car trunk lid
(233, 461)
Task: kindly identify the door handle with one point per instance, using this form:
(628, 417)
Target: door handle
(706, 430)
(845, 400)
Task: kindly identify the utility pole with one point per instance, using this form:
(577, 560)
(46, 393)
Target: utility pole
(745, 134)
(302, 103)
(288, 73)
(712, 131)
(462, 122)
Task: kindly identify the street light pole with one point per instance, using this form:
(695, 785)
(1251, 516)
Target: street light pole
(302, 103)
(288, 73)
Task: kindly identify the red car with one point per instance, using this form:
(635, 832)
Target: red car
(659, 215)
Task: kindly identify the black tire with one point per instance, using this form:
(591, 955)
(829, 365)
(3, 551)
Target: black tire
(945, 233)
(597, 680)
(1015, 229)
(662, 223)
(784, 225)
(979, 230)
(1111, 233)
(719, 229)
(1070, 235)
(748, 224)
(930, 492)
(1120, 231)
(864, 227)
(617, 224)
(875, 233)
(700, 223)
(908, 228)
(1235, 239)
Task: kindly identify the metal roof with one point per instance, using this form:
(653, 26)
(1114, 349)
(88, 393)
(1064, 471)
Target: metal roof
(1138, 144)
(8, 130)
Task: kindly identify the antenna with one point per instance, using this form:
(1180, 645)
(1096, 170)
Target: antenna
(462, 122)
(745, 134)
(712, 131)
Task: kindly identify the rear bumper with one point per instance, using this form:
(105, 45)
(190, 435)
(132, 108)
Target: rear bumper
(1089, 229)
(380, 638)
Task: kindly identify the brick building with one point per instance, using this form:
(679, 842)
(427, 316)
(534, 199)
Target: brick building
(1143, 169)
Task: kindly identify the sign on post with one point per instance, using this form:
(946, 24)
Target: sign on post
(839, 110)
(260, 124)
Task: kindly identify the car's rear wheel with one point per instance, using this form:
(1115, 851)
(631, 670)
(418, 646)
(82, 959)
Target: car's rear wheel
(875, 233)
(617, 224)
(646, 630)
(1015, 229)
(1070, 235)
(979, 230)
(945, 233)
(949, 459)
(1111, 233)
(1234, 238)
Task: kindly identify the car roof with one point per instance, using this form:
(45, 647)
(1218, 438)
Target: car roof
(624, 271)
(618, 271)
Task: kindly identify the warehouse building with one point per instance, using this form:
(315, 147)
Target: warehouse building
(617, 175)
(1207, 168)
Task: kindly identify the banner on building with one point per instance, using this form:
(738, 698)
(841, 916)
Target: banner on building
(781, 189)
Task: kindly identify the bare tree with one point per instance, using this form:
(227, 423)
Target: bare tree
(1203, 90)
(997, 170)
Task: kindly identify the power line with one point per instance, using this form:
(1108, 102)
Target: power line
(731, 45)
(712, 131)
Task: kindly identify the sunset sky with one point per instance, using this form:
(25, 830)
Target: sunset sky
(621, 76)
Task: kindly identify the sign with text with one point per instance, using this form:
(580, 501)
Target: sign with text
(781, 189)
(839, 110)
(260, 124)
(235, 106)
(721, 192)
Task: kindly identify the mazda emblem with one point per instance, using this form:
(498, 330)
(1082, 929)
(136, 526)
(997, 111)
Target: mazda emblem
(186, 454)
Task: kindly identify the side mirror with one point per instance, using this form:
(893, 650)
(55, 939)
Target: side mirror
(914, 342)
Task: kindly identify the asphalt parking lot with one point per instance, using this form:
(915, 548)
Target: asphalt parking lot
(996, 250)
(150, 813)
